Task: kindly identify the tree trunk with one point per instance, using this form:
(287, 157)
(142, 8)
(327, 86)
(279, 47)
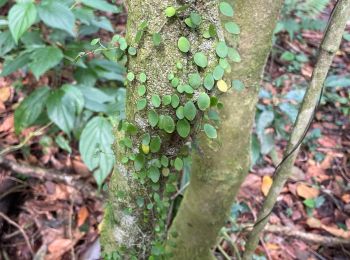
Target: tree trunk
(221, 165)
(130, 228)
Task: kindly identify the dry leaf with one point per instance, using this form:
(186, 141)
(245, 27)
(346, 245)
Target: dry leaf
(5, 94)
(313, 223)
(272, 246)
(307, 192)
(60, 245)
(346, 198)
(266, 185)
(7, 125)
(82, 216)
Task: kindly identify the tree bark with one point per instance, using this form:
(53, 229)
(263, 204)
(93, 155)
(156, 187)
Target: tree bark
(328, 48)
(221, 165)
(129, 230)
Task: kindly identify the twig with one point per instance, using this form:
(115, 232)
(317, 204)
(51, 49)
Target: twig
(20, 229)
(51, 175)
(329, 46)
(222, 251)
(307, 237)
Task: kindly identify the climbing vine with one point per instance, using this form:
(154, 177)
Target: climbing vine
(193, 106)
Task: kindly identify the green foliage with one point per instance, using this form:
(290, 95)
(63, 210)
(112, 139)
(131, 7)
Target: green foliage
(71, 108)
(183, 44)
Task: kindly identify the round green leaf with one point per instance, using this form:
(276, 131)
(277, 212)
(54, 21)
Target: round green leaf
(183, 128)
(210, 131)
(153, 118)
(155, 144)
(178, 164)
(175, 101)
(190, 110)
(168, 124)
(195, 80)
(141, 104)
(234, 55)
(188, 89)
(153, 174)
(142, 77)
(130, 76)
(132, 51)
(221, 49)
(155, 100)
(170, 11)
(218, 72)
(226, 9)
(166, 100)
(200, 59)
(141, 90)
(157, 39)
(232, 27)
(203, 101)
(183, 44)
(180, 112)
(209, 81)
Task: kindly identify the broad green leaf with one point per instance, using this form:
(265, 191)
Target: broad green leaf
(168, 124)
(222, 49)
(210, 131)
(156, 101)
(232, 27)
(63, 143)
(30, 108)
(141, 104)
(21, 16)
(153, 118)
(95, 148)
(183, 128)
(7, 42)
(200, 59)
(57, 15)
(218, 72)
(190, 110)
(44, 59)
(234, 55)
(226, 9)
(209, 81)
(15, 64)
(153, 174)
(3, 2)
(203, 101)
(175, 101)
(64, 105)
(195, 80)
(101, 5)
(183, 44)
(178, 164)
(155, 144)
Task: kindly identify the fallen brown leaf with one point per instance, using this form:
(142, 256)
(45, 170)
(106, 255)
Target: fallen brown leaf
(5, 94)
(307, 192)
(82, 216)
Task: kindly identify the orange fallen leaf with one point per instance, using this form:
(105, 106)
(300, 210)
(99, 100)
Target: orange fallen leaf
(307, 192)
(313, 223)
(82, 216)
(266, 185)
(346, 198)
(7, 125)
(272, 246)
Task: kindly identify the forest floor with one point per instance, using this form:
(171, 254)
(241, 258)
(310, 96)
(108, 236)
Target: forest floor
(58, 211)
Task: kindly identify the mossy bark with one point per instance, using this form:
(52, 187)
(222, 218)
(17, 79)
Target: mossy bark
(124, 229)
(220, 166)
(328, 49)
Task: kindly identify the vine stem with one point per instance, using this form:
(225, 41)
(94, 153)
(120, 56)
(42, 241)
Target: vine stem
(329, 46)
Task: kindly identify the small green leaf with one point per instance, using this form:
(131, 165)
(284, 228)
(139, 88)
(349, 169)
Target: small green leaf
(203, 101)
(195, 80)
(153, 118)
(178, 164)
(139, 162)
(226, 9)
(200, 59)
(180, 112)
(183, 128)
(44, 59)
(183, 44)
(168, 124)
(63, 143)
(188, 89)
(95, 41)
(132, 51)
(210, 131)
(157, 39)
(142, 77)
(170, 11)
(155, 100)
(222, 49)
(141, 90)
(196, 19)
(154, 174)
(209, 81)
(130, 76)
(190, 110)
(155, 144)
(175, 101)
(218, 72)
(232, 27)
(234, 55)
(166, 100)
(141, 104)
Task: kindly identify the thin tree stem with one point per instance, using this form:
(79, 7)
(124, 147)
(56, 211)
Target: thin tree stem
(329, 46)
